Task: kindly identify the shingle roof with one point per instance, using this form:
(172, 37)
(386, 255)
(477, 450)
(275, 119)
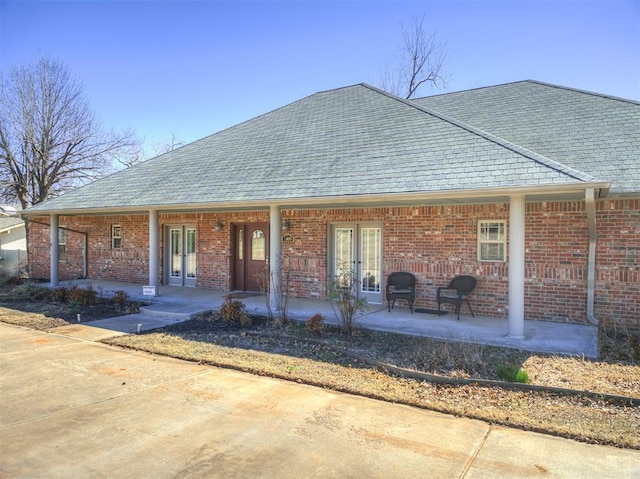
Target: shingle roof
(593, 133)
(7, 222)
(353, 141)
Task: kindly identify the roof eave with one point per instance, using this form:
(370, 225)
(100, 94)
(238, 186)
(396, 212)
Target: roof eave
(384, 199)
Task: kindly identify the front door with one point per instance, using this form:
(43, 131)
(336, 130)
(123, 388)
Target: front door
(182, 255)
(251, 256)
(358, 246)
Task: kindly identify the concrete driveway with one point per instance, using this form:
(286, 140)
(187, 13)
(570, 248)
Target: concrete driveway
(73, 408)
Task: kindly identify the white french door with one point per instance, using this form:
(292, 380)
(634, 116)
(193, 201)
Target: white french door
(358, 247)
(181, 257)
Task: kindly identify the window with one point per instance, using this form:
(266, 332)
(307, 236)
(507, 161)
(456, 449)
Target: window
(116, 236)
(492, 241)
(62, 245)
(241, 245)
(258, 246)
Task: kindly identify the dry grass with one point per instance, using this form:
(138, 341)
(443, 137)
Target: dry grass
(326, 360)
(41, 321)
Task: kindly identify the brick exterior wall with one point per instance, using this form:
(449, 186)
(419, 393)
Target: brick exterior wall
(433, 242)
(617, 298)
(129, 263)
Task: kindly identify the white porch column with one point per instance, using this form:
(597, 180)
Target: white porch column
(53, 238)
(274, 256)
(153, 250)
(516, 266)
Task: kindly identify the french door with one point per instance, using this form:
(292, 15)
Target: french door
(181, 257)
(357, 247)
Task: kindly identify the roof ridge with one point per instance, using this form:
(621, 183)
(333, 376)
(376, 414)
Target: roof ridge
(586, 92)
(538, 82)
(320, 92)
(578, 175)
(473, 89)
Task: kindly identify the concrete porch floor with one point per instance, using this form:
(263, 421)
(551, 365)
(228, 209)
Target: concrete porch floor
(175, 304)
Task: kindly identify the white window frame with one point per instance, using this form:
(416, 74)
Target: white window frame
(500, 240)
(116, 234)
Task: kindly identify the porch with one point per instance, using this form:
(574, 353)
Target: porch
(178, 303)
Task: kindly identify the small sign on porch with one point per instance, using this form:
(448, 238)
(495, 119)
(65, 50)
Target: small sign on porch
(288, 239)
(149, 290)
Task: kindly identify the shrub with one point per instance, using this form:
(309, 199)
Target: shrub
(81, 296)
(343, 294)
(232, 311)
(617, 342)
(38, 293)
(280, 286)
(60, 294)
(28, 290)
(512, 374)
(22, 292)
(13, 281)
(120, 298)
(315, 324)
(634, 343)
(522, 377)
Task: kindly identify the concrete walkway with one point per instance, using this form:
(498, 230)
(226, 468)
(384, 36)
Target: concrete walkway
(177, 304)
(72, 408)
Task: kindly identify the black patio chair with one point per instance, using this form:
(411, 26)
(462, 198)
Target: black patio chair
(401, 285)
(458, 291)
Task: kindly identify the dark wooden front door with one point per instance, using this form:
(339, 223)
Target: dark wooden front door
(251, 256)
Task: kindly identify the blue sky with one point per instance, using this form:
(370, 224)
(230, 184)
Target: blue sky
(192, 68)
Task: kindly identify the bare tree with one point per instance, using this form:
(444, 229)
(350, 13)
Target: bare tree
(50, 140)
(127, 156)
(421, 61)
(161, 148)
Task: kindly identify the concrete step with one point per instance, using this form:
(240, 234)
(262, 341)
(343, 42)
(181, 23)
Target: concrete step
(174, 311)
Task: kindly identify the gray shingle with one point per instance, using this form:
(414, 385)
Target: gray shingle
(596, 134)
(350, 141)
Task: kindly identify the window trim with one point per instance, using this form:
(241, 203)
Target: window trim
(500, 241)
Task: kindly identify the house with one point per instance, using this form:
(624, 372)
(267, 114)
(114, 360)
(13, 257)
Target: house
(532, 188)
(13, 240)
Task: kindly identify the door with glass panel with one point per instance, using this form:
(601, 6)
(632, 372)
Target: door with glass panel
(251, 256)
(181, 257)
(357, 247)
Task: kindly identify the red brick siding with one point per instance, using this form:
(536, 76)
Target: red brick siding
(433, 242)
(438, 242)
(556, 250)
(305, 261)
(129, 263)
(617, 298)
(214, 248)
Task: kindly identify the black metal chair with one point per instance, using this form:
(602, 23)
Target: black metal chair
(458, 291)
(401, 285)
